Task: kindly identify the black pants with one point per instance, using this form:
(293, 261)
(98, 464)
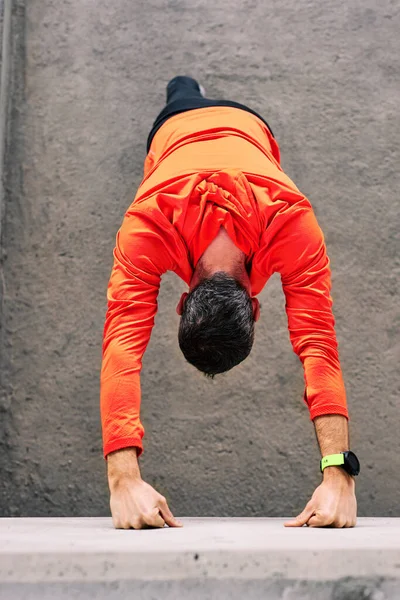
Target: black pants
(183, 93)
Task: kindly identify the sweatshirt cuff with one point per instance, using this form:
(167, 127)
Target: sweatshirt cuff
(329, 409)
(119, 444)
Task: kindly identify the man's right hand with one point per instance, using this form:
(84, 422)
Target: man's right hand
(134, 503)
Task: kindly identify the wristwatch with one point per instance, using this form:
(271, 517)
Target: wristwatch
(347, 460)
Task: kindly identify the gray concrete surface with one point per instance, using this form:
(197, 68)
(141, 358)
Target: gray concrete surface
(1, 28)
(5, 103)
(207, 558)
(88, 81)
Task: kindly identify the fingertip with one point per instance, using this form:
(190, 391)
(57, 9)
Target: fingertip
(298, 521)
(173, 523)
(292, 524)
(179, 523)
(288, 524)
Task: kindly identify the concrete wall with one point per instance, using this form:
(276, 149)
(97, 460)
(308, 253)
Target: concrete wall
(88, 80)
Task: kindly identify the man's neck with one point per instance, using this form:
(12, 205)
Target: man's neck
(222, 254)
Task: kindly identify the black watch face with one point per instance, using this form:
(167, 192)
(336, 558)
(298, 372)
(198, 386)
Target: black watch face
(352, 463)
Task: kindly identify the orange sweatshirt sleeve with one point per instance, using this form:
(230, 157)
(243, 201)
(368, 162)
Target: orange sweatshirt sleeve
(299, 254)
(140, 258)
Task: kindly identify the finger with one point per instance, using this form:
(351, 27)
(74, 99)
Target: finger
(302, 518)
(119, 523)
(123, 525)
(153, 519)
(320, 520)
(339, 524)
(350, 523)
(115, 521)
(168, 516)
(136, 523)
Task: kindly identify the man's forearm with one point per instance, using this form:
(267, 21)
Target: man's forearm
(332, 434)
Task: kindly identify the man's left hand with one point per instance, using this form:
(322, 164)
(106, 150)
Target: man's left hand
(333, 503)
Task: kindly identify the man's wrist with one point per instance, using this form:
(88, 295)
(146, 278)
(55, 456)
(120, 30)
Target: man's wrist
(337, 473)
(123, 465)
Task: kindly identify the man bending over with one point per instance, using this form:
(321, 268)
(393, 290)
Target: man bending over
(215, 207)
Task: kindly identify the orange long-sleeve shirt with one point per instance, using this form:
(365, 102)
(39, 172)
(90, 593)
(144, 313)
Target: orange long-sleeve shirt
(206, 168)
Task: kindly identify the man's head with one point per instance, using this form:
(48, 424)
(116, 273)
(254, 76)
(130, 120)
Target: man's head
(216, 331)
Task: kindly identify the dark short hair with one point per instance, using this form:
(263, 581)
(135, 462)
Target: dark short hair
(216, 331)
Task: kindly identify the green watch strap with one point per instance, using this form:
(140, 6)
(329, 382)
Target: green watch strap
(332, 460)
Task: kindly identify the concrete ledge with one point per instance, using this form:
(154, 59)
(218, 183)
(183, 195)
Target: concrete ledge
(84, 551)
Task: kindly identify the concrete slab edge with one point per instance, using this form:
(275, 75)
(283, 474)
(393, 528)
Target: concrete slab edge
(255, 565)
